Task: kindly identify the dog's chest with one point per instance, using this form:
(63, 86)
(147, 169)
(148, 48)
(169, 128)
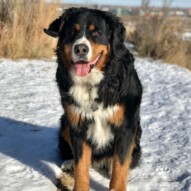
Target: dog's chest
(99, 132)
(84, 95)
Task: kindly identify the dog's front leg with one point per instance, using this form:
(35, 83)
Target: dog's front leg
(121, 161)
(82, 155)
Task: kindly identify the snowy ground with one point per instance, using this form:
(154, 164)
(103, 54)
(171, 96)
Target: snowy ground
(29, 118)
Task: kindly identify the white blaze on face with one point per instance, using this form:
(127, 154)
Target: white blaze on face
(82, 40)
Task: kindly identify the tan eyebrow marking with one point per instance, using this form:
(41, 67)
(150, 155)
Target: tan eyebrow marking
(77, 27)
(91, 27)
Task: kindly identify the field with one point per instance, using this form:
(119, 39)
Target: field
(22, 23)
(29, 122)
(163, 38)
(21, 28)
(30, 106)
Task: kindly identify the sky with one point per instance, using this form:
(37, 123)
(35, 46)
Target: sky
(175, 3)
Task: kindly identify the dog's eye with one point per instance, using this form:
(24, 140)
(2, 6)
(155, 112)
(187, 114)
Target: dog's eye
(74, 32)
(75, 29)
(96, 33)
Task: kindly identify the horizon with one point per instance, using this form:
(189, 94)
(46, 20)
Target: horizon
(153, 3)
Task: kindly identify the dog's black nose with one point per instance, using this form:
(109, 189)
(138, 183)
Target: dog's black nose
(81, 50)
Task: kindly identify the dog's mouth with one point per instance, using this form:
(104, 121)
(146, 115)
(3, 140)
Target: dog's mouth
(83, 68)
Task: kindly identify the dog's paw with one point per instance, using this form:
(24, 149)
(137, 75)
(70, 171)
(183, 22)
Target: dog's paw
(66, 182)
(66, 178)
(68, 165)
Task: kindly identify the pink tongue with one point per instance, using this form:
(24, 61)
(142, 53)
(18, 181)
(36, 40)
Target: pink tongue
(82, 69)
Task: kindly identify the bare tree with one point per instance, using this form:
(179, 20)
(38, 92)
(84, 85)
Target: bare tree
(167, 3)
(145, 4)
(166, 6)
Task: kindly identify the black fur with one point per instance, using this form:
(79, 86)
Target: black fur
(120, 85)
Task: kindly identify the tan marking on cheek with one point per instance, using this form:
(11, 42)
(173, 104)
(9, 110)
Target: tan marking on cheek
(104, 57)
(117, 117)
(73, 117)
(81, 170)
(91, 27)
(97, 49)
(120, 171)
(67, 55)
(77, 27)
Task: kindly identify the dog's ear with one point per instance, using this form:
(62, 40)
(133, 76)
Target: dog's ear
(55, 27)
(117, 39)
(117, 36)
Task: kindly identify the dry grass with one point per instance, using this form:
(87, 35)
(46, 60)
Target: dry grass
(22, 36)
(21, 28)
(160, 38)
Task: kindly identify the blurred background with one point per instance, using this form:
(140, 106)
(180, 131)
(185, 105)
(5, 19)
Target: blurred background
(159, 29)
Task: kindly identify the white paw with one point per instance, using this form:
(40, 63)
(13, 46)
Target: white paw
(66, 182)
(67, 165)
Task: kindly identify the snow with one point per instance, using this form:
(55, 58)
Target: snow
(186, 36)
(29, 120)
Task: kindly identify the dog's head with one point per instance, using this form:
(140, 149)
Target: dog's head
(87, 39)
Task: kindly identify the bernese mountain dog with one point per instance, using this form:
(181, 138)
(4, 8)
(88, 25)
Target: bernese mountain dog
(101, 95)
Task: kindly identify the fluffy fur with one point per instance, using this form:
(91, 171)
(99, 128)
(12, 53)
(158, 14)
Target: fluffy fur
(100, 93)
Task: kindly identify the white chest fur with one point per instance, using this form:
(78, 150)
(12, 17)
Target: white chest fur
(98, 132)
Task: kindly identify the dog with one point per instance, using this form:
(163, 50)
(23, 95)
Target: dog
(100, 94)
